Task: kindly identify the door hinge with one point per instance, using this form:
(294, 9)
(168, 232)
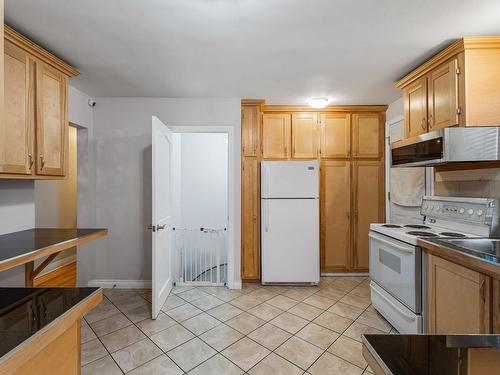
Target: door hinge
(152, 227)
(457, 71)
(459, 110)
(388, 195)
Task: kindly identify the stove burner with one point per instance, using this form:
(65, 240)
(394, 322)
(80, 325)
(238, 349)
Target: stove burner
(417, 226)
(391, 226)
(421, 234)
(453, 234)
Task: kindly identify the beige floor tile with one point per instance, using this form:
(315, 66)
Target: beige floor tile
(245, 323)
(318, 335)
(191, 295)
(275, 365)
(282, 302)
(333, 321)
(102, 311)
(111, 324)
(245, 353)
(224, 312)
(265, 311)
(263, 294)
(319, 301)
(136, 354)
(183, 312)
(131, 303)
(357, 301)
(172, 337)
(221, 337)
(269, 336)
(172, 302)
(122, 338)
(245, 302)
(200, 323)
(368, 370)
(299, 352)
(346, 283)
(350, 350)
(289, 322)
(86, 334)
(299, 294)
(207, 302)
(161, 365)
(329, 364)
(103, 366)
(180, 289)
(227, 295)
(374, 320)
(91, 351)
(191, 354)
(117, 295)
(361, 291)
(151, 327)
(356, 329)
(331, 294)
(345, 310)
(305, 311)
(139, 313)
(217, 365)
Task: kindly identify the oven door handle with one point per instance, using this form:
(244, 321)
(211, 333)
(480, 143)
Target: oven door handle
(402, 249)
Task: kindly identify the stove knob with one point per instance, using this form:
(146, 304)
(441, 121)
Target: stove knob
(471, 211)
(479, 212)
(462, 210)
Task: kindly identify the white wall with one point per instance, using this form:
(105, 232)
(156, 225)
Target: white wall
(122, 132)
(204, 163)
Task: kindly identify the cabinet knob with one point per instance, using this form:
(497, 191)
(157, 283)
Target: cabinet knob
(422, 123)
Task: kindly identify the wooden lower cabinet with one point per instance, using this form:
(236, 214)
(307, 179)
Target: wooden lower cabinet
(335, 210)
(250, 234)
(368, 206)
(458, 298)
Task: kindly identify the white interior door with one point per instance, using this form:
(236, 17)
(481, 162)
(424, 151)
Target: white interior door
(162, 145)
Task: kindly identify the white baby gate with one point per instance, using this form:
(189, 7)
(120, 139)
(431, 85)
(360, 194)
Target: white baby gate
(202, 256)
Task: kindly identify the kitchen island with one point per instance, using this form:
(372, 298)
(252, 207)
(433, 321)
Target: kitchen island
(40, 329)
(24, 247)
(432, 354)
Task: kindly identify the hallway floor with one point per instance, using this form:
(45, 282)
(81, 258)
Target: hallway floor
(213, 330)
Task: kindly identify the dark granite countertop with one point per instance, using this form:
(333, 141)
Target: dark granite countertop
(26, 311)
(425, 354)
(26, 245)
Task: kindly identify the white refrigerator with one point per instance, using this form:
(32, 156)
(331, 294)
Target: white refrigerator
(290, 222)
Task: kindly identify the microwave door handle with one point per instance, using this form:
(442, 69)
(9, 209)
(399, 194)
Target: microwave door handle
(392, 244)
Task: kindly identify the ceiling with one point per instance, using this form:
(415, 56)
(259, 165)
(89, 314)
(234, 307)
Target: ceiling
(282, 50)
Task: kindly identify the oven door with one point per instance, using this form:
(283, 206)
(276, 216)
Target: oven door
(396, 267)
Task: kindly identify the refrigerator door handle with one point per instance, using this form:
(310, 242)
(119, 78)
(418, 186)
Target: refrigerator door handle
(268, 181)
(266, 215)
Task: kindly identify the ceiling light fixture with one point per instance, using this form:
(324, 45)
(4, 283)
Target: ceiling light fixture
(317, 102)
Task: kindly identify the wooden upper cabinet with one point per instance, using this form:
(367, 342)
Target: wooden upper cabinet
(368, 135)
(250, 227)
(335, 209)
(52, 123)
(276, 136)
(16, 140)
(335, 135)
(368, 205)
(304, 135)
(250, 120)
(458, 298)
(443, 107)
(415, 108)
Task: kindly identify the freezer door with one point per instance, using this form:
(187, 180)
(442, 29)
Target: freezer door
(290, 179)
(290, 240)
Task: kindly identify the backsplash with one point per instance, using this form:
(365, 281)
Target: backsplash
(477, 183)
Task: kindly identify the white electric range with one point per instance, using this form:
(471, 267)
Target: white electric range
(397, 264)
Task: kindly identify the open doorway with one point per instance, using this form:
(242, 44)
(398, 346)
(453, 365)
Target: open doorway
(200, 193)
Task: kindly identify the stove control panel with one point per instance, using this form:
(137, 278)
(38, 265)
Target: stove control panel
(474, 210)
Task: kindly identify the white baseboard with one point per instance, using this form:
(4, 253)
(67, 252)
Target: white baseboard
(235, 285)
(121, 284)
(345, 274)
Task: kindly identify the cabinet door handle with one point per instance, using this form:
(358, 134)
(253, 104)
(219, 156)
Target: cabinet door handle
(422, 123)
(42, 162)
(429, 121)
(31, 161)
(482, 290)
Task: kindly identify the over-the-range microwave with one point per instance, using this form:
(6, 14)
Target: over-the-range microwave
(448, 145)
